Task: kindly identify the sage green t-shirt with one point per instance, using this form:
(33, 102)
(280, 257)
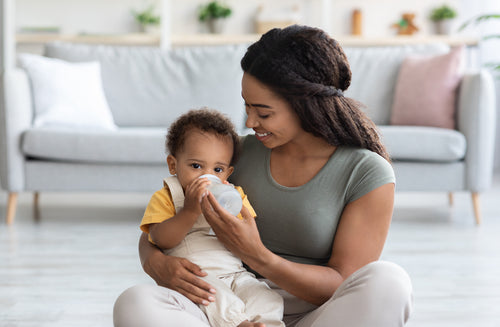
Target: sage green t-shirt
(299, 223)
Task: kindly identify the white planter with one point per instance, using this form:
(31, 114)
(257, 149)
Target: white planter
(443, 27)
(150, 29)
(217, 25)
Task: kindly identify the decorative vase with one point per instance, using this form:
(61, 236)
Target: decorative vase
(216, 25)
(357, 21)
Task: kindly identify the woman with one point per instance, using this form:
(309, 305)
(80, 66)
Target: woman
(323, 189)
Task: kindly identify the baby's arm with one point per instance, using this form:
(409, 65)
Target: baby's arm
(172, 231)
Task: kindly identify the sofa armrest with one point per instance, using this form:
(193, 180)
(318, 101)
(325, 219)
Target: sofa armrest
(476, 120)
(15, 117)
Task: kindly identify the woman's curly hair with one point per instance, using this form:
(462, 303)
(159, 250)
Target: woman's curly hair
(310, 71)
(206, 120)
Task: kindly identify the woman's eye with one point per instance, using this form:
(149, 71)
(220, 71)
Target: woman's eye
(219, 170)
(263, 116)
(195, 165)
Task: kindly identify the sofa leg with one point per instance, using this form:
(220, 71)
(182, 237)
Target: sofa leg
(450, 199)
(477, 207)
(11, 208)
(36, 207)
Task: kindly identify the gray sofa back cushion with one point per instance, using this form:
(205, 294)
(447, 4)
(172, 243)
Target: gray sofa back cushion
(374, 75)
(148, 86)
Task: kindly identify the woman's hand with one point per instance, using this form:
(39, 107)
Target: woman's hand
(175, 273)
(241, 237)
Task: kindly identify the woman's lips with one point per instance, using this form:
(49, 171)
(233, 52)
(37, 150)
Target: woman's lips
(262, 136)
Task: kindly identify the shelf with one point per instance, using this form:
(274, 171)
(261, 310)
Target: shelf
(115, 39)
(212, 39)
(453, 40)
(219, 39)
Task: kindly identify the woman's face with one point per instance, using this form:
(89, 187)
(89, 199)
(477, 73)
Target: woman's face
(272, 118)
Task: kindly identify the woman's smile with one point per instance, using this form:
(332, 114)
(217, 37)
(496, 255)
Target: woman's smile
(262, 136)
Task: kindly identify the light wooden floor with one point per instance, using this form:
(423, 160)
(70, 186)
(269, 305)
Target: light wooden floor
(68, 269)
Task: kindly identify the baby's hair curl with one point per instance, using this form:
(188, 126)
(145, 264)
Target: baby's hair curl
(206, 120)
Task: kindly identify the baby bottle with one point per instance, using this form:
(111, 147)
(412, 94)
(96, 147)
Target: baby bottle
(227, 196)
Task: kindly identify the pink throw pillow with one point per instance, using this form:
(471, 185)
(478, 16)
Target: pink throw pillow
(426, 90)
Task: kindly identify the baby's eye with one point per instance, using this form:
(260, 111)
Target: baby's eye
(195, 166)
(219, 170)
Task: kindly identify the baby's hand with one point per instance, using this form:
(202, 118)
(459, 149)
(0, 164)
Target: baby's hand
(194, 193)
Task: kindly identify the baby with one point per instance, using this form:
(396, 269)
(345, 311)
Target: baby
(204, 142)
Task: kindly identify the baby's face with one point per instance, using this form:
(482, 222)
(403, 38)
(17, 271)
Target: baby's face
(203, 153)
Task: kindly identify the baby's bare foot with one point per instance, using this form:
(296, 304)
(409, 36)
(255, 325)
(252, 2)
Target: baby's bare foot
(247, 323)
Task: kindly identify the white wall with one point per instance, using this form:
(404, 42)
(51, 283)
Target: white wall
(79, 16)
(113, 16)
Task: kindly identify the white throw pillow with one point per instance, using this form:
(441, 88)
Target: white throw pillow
(67, 94)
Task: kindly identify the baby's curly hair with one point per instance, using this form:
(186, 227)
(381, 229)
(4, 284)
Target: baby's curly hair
(206, 120)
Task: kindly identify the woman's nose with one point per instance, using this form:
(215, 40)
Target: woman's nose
(251, 122)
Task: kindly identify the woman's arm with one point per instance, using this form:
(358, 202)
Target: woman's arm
(176, 273)
(359, 240)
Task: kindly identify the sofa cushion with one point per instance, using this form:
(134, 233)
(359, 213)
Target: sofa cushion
(426, 90)
(148, 86)
(417, 143)
(147, 145)
(125, 145)
(67, 94)
(374, 74)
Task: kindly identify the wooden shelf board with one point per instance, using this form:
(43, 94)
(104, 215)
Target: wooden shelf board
(218, 39)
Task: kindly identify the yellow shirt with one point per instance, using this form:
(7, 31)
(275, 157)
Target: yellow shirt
(161, 207)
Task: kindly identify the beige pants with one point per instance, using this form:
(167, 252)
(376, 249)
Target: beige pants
(377, 295)
(240, 296)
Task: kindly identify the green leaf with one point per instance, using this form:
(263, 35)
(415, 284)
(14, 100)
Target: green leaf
(493, 65)
(478, 20)
(492, 36)
(442, 13)
(212, 10)
(147, 16)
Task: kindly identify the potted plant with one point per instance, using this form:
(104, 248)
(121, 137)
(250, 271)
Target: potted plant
(147, 19)
(442, 18)
(214, 14)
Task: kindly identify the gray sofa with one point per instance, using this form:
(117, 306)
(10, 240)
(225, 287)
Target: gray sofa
(147, 88)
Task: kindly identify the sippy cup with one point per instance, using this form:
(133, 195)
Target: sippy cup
(227, 196)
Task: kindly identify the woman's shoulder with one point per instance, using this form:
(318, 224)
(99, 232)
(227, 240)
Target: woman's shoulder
(368, 170)
(358, 156)
(365, 164)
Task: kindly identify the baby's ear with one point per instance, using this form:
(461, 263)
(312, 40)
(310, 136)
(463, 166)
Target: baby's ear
(172, 164)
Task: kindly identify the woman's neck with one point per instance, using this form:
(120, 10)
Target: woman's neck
(296, 163)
